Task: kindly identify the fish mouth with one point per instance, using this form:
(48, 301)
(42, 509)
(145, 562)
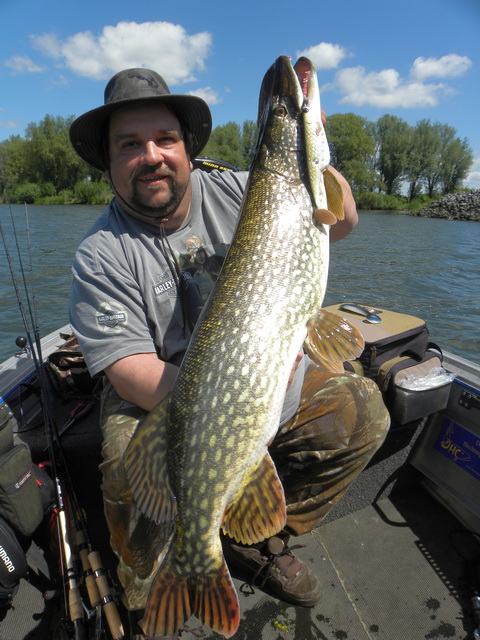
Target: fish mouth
(292, 87)
(306, 74)
(284, 79)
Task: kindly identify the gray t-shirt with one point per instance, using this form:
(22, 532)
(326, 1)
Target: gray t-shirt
(124, 299)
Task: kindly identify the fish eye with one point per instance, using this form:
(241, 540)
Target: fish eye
(280, 111)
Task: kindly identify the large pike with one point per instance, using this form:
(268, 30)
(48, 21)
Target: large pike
(201, 455)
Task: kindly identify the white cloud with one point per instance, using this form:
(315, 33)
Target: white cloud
(324, 55)
(208, 94)
(473, 178)
(23, 64)
(385, 89)
(8, 124)
(449, 66)
(162, 46)
(47, 44)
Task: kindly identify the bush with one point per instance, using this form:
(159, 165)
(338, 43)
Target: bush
(419, 202)
(26, 192)
(47, 189)
(67, 195)
(51, 200)
(375, 200)
(88, 192)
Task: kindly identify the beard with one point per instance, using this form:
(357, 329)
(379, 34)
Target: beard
(166, 208)
(140, 204)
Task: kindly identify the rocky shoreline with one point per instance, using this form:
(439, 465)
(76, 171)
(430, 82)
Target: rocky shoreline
(454, 206)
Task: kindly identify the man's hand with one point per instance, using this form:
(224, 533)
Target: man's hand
(343, 227)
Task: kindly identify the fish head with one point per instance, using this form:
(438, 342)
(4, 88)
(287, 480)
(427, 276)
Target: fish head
(279, 121)
(292, 140)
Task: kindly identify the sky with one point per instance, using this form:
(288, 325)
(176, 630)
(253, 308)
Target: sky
(415, 59)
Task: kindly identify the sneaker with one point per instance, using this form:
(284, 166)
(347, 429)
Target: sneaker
(273, 568)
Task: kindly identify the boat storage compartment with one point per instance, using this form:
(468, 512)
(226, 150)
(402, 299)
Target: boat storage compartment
(407, 405)
(399, 356)
(448, 452)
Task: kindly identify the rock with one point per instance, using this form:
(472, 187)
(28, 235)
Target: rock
(454, 206)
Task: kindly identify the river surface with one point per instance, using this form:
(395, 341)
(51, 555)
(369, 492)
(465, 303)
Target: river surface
(426, 267)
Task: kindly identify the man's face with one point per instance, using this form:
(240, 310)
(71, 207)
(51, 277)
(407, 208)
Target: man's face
(149, 165)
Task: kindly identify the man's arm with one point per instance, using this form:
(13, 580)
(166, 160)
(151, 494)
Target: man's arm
(142, 379)
(343, 227)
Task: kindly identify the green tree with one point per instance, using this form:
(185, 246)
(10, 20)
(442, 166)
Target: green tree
(456, 158)
(421, 156)
(51, 157)
(225, 144)
(248, 142)
(351, 149)
(372, 157)
(393, 139)
(431, 173)
(13, 156)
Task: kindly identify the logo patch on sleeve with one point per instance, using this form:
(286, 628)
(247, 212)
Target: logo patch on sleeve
(111, 317)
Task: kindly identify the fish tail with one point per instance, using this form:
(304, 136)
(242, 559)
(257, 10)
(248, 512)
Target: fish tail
(173, 598)
(168, 604)
(216, 601)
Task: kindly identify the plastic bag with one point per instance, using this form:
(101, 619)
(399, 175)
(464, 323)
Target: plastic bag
(436, 377)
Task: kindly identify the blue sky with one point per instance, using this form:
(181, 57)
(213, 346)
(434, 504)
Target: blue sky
(416, 59)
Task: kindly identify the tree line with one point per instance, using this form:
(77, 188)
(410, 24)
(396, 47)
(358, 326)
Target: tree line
(388, 163)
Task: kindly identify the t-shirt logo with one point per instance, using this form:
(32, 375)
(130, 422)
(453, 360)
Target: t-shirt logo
(111, 317)
(165, 284)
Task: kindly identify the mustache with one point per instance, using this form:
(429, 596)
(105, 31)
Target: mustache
(158, 170)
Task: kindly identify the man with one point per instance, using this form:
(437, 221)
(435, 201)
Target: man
(141, 275)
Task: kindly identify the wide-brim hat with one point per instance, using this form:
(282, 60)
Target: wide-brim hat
(130, 86)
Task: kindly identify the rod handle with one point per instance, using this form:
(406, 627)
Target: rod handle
(88, 576)
(75, 604)
(108, 603)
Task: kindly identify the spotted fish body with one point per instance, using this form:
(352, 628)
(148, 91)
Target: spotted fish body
(226, 403)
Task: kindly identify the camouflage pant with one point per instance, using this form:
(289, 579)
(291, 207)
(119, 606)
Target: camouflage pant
(340, 423)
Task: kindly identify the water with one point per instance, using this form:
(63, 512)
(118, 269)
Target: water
(55, 233)
(426, 267)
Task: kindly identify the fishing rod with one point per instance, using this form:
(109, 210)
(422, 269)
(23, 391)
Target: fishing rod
(94, 576)
(74, 601)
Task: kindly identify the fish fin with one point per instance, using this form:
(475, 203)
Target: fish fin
(216, 602)
(258, 511)
(146, 465)
(331, 340)
(334, 193)
(173, 598)
(169, 603)
(324, 216)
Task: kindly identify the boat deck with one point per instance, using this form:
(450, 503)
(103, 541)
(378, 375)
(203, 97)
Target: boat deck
(389, 572)
(393, 562)
(392, 571)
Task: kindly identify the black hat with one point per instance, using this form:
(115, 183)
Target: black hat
(130, 86)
